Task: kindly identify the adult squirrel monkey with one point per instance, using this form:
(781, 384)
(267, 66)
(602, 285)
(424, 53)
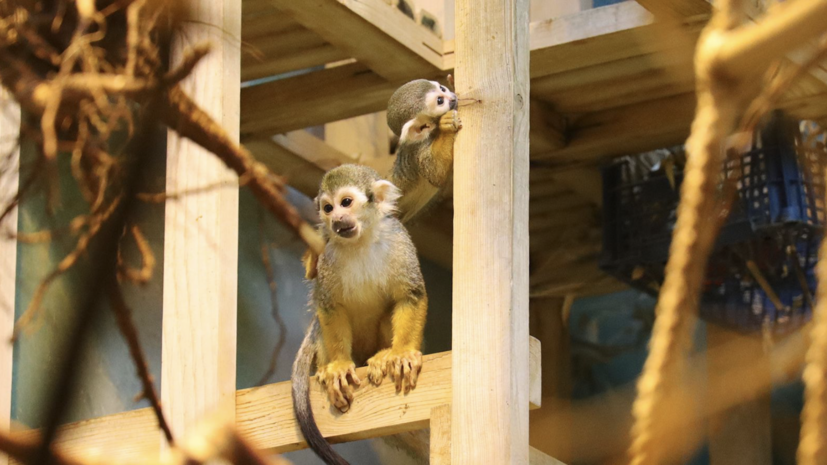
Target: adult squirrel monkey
(368, 295)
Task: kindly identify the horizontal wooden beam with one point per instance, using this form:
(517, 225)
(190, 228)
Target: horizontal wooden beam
(538, 457)
(677, 8)
(313, 99)
(627, 130)
(264, 415)
(588, 38)
(547, 130)
(374, 32)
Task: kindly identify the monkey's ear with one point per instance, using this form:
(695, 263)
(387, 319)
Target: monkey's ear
(417, 129)
(386, 195)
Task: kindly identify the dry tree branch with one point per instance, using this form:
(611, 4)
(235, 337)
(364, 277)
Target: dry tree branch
(123, 315)
(271, 284)
(144, 274)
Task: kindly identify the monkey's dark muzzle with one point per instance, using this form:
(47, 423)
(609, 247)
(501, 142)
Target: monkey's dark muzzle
(345, 228)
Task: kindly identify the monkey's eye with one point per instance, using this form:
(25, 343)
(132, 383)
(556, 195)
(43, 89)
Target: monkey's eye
(440, 100)
(346, 202)
(328, 208)
(442, 88)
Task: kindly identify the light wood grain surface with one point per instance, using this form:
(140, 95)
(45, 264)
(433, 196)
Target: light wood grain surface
(10, 157)
(489, 423)
(201, 234)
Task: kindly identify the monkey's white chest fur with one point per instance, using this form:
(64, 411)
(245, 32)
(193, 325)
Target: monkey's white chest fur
(365, 278)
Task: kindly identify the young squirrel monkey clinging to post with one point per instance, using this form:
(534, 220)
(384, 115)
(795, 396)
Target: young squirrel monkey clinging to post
(368, 295)
(423, 114)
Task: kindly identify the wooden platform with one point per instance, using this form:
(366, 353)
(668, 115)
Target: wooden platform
(265, 417)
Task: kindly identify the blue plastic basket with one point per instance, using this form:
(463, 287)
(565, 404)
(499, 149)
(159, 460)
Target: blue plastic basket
(779, 209)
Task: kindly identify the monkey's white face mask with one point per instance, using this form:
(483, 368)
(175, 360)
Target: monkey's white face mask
(349, 213)
(438, 101)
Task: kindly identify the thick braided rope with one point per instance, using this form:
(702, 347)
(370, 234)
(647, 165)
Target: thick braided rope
(812, 448)
(691, 245)
(692, 242)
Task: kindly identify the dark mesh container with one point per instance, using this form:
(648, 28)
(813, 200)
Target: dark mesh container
(772, 233)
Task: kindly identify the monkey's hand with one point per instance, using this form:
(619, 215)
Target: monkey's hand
(450, 122)
(404, 366)
(378, 367)
(340, 379)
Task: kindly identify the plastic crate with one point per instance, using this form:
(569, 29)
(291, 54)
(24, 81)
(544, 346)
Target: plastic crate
(779, 204)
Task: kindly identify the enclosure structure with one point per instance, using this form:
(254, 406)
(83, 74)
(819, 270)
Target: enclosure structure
(584, 86)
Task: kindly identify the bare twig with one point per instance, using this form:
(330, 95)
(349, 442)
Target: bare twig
(271, 284)
(123, 315)
(144, 274)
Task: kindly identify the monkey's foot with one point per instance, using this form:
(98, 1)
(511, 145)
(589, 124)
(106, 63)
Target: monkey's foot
(340, 379)
(378, 367)
(404, 367)
(450, 122)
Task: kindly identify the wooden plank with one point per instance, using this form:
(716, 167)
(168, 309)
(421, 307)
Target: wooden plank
(300, 173)
(255, 67)
(650, 84)
(313, 99)
(611, 71)
(741, 434)
(9, 180)
(365, 139)
(198, 358)
(548, 128)
(490, 290)
(627, 130)
(548, 326)
(441, 435)
(262, 25)
(586, 182)
(264, 414)
(589, 38)
(372, 31)
(312, 149)
(677, 8)
(537, 457)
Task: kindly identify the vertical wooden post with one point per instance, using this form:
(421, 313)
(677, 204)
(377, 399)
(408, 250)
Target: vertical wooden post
(201, 234)
(548, 325)
(489, 420)
(9, 151)
(742, 434)
(441, 435)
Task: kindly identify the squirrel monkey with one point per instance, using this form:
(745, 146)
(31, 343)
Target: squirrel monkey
(368, 295)
(423, 114)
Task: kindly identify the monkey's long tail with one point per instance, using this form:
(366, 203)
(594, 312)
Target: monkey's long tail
(301, 398)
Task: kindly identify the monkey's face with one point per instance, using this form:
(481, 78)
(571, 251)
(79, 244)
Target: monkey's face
(436, 100)
(439, 100)
(340, 211)
(350, 212)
